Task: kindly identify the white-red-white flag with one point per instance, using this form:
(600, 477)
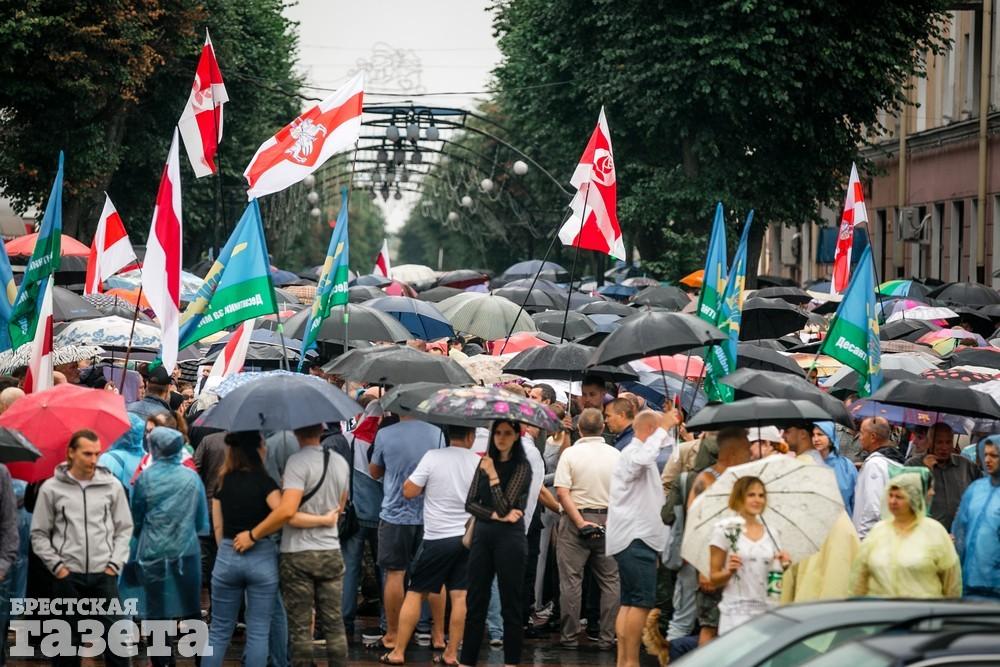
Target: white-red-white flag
(39, 375)
(854, 213)
(596, 198)
(201, 120)
(302, 146)
(110, 252)
(234, 354)
(382, 265)
(161, 268)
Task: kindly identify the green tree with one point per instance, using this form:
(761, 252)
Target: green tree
(761, 104)
(107, 82)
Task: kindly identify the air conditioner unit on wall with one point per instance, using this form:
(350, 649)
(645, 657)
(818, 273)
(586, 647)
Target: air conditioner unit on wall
(911, 228)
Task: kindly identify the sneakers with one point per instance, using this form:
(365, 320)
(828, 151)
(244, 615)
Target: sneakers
(371, 635)
(593, 633)
(496, 642)
(422, 638)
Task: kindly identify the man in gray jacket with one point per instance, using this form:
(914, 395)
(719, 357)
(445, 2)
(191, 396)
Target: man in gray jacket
(81, 529)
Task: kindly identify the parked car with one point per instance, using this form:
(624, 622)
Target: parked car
(969, 647)
(795, 634)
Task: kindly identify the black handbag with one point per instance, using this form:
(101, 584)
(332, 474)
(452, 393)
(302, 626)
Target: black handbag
(347, 524)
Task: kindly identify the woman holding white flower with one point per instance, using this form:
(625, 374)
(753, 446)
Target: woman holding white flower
(743, 553)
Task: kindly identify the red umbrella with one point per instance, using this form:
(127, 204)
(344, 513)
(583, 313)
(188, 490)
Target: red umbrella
(673, 363)
(25, 245)
(518, 342)
(399, 288)
(49, 418)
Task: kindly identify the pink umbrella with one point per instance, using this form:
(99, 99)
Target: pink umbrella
(399, 288)
(946, 340)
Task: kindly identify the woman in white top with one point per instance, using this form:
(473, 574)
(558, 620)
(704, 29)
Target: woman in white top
(742, 557)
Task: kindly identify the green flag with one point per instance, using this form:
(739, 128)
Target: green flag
(238, 286)
(44, 262)
(332, 287)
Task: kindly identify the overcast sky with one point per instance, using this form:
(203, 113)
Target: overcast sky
(405, 47)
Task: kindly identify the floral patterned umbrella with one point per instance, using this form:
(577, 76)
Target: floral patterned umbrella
(468, 405)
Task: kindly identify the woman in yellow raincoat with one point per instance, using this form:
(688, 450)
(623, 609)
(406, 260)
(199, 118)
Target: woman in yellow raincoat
(907, 554)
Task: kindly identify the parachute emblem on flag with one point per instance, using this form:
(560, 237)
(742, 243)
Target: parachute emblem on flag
(305, 134)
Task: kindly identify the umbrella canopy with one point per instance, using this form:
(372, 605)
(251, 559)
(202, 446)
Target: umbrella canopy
(280, 402)
(606, 308)
(131, 295)
(793, 295)
(462, 278)
(947, 397)
(25, 246)
(770, 318)
(566, 361)
(749, 355)
(665, 296)
(49, 418)
(68, 306)
(403, 398)
(908, 329)
(265, 346)
(516, 343)
(958, 375)
(438, 294)
(974, 320)
(991, 311)
(912, 362)
(488, 316)
(966, 294)
(107, 332)
(659, 388)
(678, 364)
(470, 405)
(694, 279)
(845, 381)
(641, 281)
(109, 304)
(947, 340)
(280, 277)
(11, 360)
(363, 323)
(371, 280)
(14, 447)
(422, 319)
(402, 365)
(545, 270)
(414, 274)
(652, 333)
(898, 346)
(803, 503)
(577, 324)
(130, 280)
(750, 412)
(362, 293)
(975, 356)
(399, 288)
(769, 344)
(905, 288)
(770, 384)
(535, 300)
(488, 369)
(617, 291)
(920, 312)
(781, 281)
(348, 363)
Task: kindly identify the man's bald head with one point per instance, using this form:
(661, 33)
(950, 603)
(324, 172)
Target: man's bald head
(875, 433)
(9, 396)
(645, 424)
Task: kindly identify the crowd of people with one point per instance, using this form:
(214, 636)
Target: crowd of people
(467, 538)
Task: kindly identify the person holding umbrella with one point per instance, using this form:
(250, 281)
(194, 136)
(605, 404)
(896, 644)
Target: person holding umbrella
(907, 554)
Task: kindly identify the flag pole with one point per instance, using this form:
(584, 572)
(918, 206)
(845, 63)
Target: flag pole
(221, 207)
(576, 255)
(128, 349)
(347, 206)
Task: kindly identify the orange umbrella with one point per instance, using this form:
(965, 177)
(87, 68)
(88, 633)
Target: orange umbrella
(68, 246)
(130, 295)
(695, 279)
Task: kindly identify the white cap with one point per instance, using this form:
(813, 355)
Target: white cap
(767, 433)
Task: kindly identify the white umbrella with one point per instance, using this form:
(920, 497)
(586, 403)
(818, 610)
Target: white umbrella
(111, 331)
(414, 274)
(11, 360)
(922, 313)
(486, 368)
(803, 502)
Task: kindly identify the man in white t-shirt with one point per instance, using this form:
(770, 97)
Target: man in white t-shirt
(444, 477)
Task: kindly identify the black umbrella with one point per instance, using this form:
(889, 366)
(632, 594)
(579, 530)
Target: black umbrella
(770, 318)
(966, 294)
(909, 330)
(847, 383)
(364, 323)
(566, 361)
(535, 300)
(613, 373)
(770, 384)
(947, 397)
(655, 332)
(403, 365)
(987, 357)
(749, 355)
(977, 321)
(577, 324)
(362, 293)
(67, 306)
(348, 363)
(462, 278)
(768, 344)
(991, 311)
(281, 403)
(793, 295)
(15, 448)
(403, 398)
(775, 281)
(751, 412)
(371, 280)
(602, 307)
(665, 296)
(438, 294)
(548, 271)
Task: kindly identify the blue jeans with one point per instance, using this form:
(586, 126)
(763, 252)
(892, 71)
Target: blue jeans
(494, 620)
(253, 573)
(353, 551)
(278, 639)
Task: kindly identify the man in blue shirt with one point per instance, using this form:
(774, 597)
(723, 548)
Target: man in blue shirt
(618, 415)
(396, 452)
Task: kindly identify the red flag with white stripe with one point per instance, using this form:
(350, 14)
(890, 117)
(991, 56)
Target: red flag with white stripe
(234, 354)
(39, 375)
(161, 269)
(111, 250)
(596, 198)
(854, 213)
(302, 146)
(201, 121)
(382, 265)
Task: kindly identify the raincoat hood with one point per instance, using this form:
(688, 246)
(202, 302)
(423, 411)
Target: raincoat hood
(981, 451)
(830, 430)
(912, 484)
(132, 440)
(165, 444)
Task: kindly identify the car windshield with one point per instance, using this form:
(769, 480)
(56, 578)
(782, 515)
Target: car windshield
(856, 655)
(819, 644)
(733, 647)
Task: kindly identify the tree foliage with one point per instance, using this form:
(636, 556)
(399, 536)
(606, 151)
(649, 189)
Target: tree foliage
(761, 104)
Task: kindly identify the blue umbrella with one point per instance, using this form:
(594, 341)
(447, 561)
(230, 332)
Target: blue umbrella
(618, 291)
(281, 277)
(657, 388)
(549, 271)
(421, 318)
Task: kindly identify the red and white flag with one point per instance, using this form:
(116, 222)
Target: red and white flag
(302, 146)
(596, 198)
(382, 265)
(39, 375)
(161, 268)
(201, 121)
(231, 359)
(110, 252)
(854, 213)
